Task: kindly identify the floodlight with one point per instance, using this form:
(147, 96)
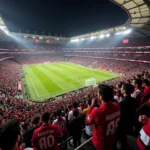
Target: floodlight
(25, 37)
(40, 38)
(108, 35)
(4, 29)
(101, 36)
(118, 33)
(127, 31)
(33, 37)
(93, 37)
(75, 40)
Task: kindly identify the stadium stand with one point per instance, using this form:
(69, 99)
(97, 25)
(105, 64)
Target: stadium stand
(114, 115)
(13, 106)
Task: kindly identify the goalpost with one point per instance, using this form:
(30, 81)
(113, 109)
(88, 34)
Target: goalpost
(90, 81)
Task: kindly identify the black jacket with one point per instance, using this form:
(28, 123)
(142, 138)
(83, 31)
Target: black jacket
(128, 110)
(76, 126)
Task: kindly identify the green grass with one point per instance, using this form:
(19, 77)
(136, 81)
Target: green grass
(49, 80)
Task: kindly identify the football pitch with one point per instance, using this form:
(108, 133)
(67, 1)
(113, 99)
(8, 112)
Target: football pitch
(50, 80)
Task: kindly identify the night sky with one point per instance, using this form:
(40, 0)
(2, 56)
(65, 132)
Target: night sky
(66, 17)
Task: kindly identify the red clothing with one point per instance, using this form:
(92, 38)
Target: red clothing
(106, 119)
(45, 137)
(143, 140)
(61, 122)
(147, 91)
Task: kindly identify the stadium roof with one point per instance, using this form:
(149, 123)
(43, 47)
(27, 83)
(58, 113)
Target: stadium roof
(139, 14)
(139, 20)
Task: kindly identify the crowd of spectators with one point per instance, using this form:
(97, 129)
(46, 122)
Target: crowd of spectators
(75, 110)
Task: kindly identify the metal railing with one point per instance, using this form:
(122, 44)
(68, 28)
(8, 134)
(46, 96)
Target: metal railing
(84, 144)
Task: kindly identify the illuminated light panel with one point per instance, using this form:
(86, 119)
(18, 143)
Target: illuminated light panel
(125, 41)
(36, 41)
(47, 41)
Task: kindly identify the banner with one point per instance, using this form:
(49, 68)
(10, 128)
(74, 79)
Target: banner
(19, 86)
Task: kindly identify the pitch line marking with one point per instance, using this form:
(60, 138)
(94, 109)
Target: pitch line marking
(34, 87)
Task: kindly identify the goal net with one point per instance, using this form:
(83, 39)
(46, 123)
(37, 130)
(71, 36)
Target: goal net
(90, 81)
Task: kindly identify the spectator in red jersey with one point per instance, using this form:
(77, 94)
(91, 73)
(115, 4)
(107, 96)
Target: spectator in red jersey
(10, 135)
(61, 122)
(127, 119)
(105, 118)
(137, 94)
(143, 141)
(146, 92)
(27, 136)
(45, 137)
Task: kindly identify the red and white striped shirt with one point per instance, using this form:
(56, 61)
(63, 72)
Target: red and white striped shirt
(143, 140)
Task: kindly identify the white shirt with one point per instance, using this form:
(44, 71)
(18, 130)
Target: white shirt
(70, 114)
(56, 120)
(89, 129)
(135, 93)
(116, 98)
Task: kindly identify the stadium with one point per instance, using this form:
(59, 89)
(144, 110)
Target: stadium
(98, 78)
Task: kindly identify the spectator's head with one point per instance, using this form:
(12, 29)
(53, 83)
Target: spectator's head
(36, 120)
(10, 133)
(66, 111)
(137, 83)
(89, 101)
(25, 126)
(75, 113)
(118, 86)
(128, 81)
(145, 83)
(59, 113)
(127, 89)
(106, 93)
(139, 76)
(70, 107)
(133, 78)
(75, 105)
(46, 117)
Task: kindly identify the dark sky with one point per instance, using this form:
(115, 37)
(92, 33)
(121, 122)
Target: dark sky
(66, 17)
